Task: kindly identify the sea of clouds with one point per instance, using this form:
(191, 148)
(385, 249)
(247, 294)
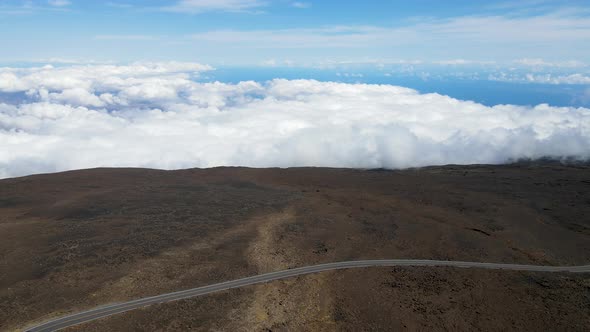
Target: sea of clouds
(161, 115)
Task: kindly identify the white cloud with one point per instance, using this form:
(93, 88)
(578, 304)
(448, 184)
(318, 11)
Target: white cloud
(127, 37)
(547, 78)
(27, 7)
(462, 62)
(502, 38)
(96, 77)
(59, 3)
(120, 5)
(537, 62)
(70, 61)
(564, 79)
(269, 63)
(277, 63)
(297, 38)
(199, 6)
(453, 62)
(74, 96)
(156, 115)
(301, 5)
(474, 37)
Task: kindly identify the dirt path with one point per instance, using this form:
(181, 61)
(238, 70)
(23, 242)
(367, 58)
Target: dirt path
(298, 304)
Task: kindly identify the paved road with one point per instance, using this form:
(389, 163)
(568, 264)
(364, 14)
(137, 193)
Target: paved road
(118, 308)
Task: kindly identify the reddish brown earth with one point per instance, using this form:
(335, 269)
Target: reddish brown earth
(75, 240)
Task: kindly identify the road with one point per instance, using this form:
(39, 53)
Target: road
(113, 309)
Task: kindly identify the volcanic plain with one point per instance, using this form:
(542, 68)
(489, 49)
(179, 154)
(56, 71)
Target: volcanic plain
(76, 240)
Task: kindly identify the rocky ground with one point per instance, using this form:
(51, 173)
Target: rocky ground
(76, 240)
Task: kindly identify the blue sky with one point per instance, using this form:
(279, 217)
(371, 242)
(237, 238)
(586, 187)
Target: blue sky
(285, 32)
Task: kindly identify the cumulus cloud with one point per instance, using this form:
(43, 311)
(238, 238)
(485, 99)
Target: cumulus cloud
(159, 115)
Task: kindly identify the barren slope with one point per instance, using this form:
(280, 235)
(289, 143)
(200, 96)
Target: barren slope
(80, 239)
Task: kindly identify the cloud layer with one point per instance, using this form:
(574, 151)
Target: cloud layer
(158, 115)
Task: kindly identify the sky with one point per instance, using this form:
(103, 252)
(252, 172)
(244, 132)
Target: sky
(263, 83)
(254, 32)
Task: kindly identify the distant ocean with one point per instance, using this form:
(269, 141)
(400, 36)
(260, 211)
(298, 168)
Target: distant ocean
(482, 91)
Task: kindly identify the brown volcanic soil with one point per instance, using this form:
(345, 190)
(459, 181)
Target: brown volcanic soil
(76, 240)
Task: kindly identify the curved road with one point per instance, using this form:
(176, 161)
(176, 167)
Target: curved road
(113, 309)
